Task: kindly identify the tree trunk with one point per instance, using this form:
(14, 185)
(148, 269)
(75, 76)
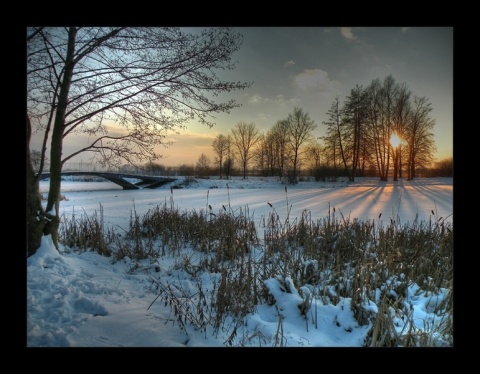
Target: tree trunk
(395, 164)
(35, 212)
(53, 203)
(400, 164)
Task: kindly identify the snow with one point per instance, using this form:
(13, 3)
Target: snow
(83, 299)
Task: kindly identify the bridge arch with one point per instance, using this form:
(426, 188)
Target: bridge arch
(146, 181)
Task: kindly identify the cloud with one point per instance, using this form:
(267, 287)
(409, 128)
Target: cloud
(316, 79)
(277, 100)
(347, 33)
(405, 29)
(289, 63)
(257, 99)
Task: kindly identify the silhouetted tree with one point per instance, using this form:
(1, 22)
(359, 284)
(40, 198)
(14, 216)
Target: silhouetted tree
(380, 121)
(154, 168)
(245, 136)
(442, 168)
(279, 137)
(300, 127)
(203, 165)
(340, 135)
(353, 131)
(260, 155)
(419, 136)
(401, 113)
(221, 145)
(314, 154)
(186, 170)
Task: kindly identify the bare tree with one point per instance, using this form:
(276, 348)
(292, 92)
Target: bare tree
(280, 137)
(124, 87)
(245, 136)
(221, 145)
(261, 155)
(203, 165)
(228, 164)
(331, 149)
(390, 112)
(401, 113)
(419, 136)
(441, 168)
(154, 168)
(268, 149)
(339, 134)
(300, 132)
(314, 150)
(380, 121)
(354, 136)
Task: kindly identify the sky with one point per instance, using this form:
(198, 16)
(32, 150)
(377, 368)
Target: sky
(86, 300)
(310, 66)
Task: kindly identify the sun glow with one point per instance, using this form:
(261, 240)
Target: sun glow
(395, 140)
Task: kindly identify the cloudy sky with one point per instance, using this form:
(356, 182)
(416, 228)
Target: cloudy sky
(309, 66)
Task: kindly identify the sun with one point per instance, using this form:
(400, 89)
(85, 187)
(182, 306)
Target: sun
(395, 140)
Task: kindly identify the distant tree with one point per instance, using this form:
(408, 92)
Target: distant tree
(280, 138)
(419, 136)
(186, 170)
(203, 165)
(314, 153)
(221, 145)
(228, 166)
(354, 119)
(260, 155)
(267, 150)
(401, 114)
(339, 136)
(300, 127)
(125, 87)
(271, 150)
(229, 161)
(442, 168)
(154, 168)
(331, 149)
(245, 136)
(380, 121)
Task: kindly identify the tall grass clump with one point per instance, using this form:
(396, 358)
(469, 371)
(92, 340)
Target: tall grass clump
(86, 232)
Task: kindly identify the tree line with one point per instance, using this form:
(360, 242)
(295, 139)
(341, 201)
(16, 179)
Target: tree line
(359, 138)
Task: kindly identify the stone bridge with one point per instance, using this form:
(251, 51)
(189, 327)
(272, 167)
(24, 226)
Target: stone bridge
(146, 181)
